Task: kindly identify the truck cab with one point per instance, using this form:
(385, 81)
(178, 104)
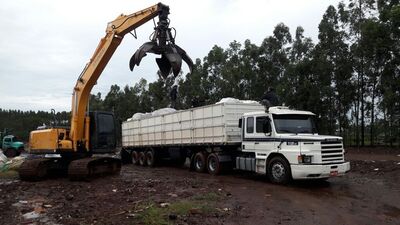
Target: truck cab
(285, 144)
(11, 146)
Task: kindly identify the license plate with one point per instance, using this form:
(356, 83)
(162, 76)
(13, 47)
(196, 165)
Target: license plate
(333, 173)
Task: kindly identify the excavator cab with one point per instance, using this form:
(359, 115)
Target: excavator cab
(103, 132)
(162, 42)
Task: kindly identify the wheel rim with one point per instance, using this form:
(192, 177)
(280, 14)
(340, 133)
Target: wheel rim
(212, 164)
(199, 163)
(278, 171)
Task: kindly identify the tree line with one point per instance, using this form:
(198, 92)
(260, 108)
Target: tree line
(350, 78)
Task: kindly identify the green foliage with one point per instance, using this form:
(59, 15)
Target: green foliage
(20, 123)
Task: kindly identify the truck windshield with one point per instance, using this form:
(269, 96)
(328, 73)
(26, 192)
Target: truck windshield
(294, 124)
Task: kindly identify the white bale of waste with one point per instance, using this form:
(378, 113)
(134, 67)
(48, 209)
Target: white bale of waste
(235, 100)
(163, 111)
(159, 112)
(228, 100)
(138, 116)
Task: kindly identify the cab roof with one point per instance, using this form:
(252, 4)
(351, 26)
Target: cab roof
(281, 110)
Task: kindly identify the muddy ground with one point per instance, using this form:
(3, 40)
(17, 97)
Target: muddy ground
(369, 194)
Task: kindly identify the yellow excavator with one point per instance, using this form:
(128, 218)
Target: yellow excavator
(79, 150)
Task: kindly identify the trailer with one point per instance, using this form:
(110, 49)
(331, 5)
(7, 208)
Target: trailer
(279, 142)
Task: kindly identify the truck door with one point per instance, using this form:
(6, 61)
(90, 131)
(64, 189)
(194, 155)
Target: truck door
(248, 134)
(6, 143)
(263, 140)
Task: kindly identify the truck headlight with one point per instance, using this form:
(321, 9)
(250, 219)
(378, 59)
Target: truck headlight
(306, 159)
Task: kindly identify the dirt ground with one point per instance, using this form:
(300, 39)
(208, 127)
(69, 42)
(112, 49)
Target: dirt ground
(369, 194)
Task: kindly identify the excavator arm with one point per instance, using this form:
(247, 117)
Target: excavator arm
(162, 43)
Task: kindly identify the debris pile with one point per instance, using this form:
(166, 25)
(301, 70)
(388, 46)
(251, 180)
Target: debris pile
(10, 164)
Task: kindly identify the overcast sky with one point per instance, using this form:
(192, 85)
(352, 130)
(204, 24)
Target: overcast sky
(44, 44)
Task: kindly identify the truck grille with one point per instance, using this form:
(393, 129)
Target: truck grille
(332, 151)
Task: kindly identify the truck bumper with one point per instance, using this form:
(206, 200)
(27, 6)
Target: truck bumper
(300, 171)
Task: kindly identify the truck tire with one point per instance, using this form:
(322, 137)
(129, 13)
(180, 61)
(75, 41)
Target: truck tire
(278, 170)
(213, 164)
(142, 159)
(135, 157)
(150, 159)
(200, 162)
(10, 153)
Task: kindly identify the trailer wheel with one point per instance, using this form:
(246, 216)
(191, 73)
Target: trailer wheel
(199, 162)
(213, 164)
(279, 170)
(150, 158)
(135, 157)
(142, 159)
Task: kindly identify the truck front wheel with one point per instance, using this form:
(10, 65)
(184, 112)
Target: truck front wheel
(199, 162)
(278, 170)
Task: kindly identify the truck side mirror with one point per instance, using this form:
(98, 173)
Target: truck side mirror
(240, 123)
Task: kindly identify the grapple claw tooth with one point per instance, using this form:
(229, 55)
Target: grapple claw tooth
(141, 52)
(164, 65)
(185, 57)
(176, 62)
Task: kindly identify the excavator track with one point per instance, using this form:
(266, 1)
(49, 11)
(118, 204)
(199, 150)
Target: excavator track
(34, 169)
(87, 168)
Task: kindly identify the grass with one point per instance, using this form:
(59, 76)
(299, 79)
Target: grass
(156, 215)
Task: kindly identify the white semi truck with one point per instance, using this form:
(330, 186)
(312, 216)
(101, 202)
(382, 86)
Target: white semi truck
(280, 142)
